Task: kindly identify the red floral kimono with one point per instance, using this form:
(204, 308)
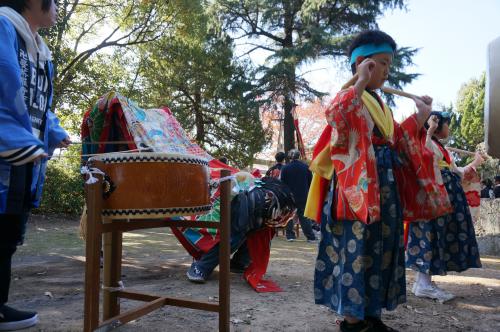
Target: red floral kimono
(346, 148)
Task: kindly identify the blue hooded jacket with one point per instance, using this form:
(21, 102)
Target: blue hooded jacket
(28, 128)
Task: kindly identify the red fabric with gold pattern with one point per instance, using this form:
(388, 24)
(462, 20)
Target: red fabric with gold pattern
(353, 158)
(423, 196)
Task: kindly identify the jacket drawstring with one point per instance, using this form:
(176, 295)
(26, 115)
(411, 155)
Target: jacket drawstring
(35, 92)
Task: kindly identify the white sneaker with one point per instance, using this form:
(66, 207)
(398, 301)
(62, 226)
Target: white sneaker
(446, 296)
(432, 292)
(414, 288)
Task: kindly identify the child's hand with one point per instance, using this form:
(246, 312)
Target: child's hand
(424, 106)
(364, 72)
(64, 143)
(426, 99)
(433, 124)
(40, 157)
(365, 69)
(478, 159)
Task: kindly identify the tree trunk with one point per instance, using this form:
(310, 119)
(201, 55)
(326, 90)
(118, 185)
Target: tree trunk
(289, 127)
(289, 91)
(198, 116)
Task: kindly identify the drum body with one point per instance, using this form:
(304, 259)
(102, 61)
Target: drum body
(153, 185)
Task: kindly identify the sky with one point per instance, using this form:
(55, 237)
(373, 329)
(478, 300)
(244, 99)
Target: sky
(452, 35)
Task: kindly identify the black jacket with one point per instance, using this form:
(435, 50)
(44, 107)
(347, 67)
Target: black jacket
(298, 177)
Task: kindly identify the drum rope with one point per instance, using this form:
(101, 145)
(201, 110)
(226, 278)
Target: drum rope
(91, 172)
(226, 178)
(120, 287)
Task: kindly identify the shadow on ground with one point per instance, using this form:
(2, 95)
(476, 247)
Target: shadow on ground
(49, 270)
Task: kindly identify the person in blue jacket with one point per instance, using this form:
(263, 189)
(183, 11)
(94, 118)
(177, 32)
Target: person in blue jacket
(29, 131)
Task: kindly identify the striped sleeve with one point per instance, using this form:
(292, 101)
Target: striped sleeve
(21, 156)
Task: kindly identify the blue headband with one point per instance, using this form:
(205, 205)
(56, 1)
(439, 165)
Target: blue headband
(370, 49)
(446, 115)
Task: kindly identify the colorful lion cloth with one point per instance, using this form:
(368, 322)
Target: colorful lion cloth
(116, 123)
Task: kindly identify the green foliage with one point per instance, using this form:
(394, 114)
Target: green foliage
(470, 107)
(295, 32)
(156, 53)
(86, 43)
(181, 54)
(211, 93)
(467, 128)
(63, 189)
(467, 124)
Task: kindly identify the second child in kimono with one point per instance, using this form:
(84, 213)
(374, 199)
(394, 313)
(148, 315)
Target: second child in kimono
(447, 243)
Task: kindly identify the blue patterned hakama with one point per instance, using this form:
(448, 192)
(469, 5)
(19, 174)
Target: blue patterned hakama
(360, 268)
(447, 243)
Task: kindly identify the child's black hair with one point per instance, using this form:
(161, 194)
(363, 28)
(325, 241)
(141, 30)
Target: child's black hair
(376, 37)
(21, 5)
(441, 122)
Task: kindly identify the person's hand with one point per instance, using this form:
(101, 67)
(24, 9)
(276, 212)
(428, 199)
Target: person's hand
(40, 157)
(426, 99)
(64, 143)
(433, 124)
(424, 107)
(365, 69)
(364, 72)
(478, 159)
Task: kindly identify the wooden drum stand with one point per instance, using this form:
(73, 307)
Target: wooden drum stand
(110, 233)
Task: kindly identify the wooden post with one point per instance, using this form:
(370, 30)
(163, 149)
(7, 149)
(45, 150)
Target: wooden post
(92, 255)
(224, 252)
(112, 264)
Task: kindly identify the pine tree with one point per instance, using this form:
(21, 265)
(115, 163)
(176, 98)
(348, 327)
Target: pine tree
(295, 32)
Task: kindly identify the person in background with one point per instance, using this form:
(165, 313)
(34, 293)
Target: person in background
(223, 160)
(275, 170)
(496, 190)
(487, 189)
(297, 176)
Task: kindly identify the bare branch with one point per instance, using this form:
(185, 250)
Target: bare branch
(86, 31)
(128, 39)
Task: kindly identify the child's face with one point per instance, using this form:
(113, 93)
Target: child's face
(380, 73)
(45, 19)
(444, 132)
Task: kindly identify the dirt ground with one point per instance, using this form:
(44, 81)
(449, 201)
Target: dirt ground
(48, 277)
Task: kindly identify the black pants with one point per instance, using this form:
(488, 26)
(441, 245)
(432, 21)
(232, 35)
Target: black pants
(12, 230)
(305, 224)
